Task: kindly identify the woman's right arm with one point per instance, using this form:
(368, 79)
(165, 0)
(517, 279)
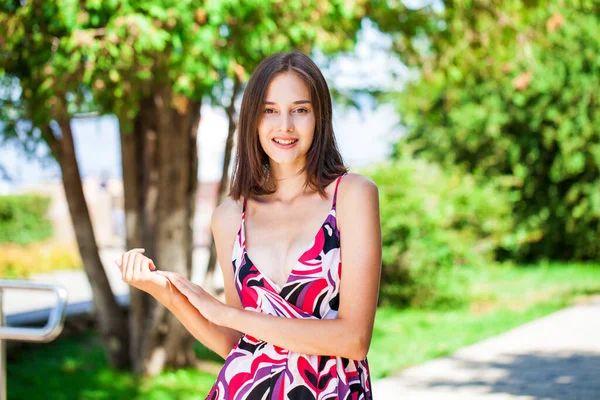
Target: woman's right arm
(225, 221)
(224, 224)
(136, 269)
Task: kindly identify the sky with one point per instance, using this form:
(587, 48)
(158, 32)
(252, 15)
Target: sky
(364, 136)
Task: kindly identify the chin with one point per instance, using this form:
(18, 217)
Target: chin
(285, 159)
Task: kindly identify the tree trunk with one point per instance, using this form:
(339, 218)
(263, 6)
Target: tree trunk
(136, 237)
(112, 321)
(160, 164)
(223, 185)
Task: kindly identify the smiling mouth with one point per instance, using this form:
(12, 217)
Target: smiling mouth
(285, 142)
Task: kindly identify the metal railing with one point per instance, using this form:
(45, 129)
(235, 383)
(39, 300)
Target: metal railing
(47, 333)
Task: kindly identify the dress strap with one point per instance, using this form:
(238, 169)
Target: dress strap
(336, 189)
(242, 230)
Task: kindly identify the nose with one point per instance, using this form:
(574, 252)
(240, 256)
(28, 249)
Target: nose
(287, 124)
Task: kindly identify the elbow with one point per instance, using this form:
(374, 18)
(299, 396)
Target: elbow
(224, 349)
(359, 348)
(224, 354)
(361, 352)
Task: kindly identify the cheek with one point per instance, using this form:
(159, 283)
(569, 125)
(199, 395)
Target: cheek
(306, 125)
(306, 122)
(262, 128)
(263, 132)
(266, 125)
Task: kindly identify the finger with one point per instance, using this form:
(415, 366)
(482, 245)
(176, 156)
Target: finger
(150, 275)
(175, 278)
(145, 267)
(130, 267)
(124, 264)
(184, 283)
(179, 287)
(152, 266)
(179, 282)
(167, 274)
(191, 286)
(137, 266)
(133, 252)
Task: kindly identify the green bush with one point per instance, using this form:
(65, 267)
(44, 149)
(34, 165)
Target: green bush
(23, 219)
(433, 222)
(513, 90)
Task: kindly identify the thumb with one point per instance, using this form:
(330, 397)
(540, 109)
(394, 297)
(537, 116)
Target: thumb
(158, 278)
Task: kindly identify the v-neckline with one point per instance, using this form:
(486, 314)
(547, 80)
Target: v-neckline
(291, 273)
(274, 285)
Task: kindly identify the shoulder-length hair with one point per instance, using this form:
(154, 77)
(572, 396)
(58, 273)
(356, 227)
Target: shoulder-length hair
(251, 175)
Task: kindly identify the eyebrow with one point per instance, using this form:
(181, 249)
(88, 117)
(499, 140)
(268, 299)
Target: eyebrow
(296, 102)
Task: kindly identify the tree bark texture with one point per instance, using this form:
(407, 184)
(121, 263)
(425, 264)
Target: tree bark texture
(160, 164)
(112, 321)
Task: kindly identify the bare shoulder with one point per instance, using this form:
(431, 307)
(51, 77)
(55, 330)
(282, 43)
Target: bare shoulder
(226, 218)
(355, 184)
(357, 194)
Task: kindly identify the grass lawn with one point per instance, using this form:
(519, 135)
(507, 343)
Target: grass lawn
(503, 298)
(75, 368)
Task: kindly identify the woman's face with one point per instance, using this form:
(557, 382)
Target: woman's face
(288, 118)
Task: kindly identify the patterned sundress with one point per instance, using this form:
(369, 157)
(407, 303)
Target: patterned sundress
(257, 370)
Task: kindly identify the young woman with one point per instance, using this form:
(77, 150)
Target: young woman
(296, 322)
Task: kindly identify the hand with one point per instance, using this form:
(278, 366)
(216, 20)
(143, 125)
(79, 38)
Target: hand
(137, 270)
(211, 308)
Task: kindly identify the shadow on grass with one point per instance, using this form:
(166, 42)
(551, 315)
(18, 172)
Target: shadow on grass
(75, 368)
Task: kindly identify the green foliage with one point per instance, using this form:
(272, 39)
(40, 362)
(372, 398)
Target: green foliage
(433, 222)
(510, 89)
(107, 56)
(162, 56)
(23, 219)
(75, 367)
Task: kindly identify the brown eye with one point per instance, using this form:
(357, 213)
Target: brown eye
(269, 111)
(304, 110)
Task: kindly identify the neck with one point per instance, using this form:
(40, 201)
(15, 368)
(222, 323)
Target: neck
(289, 182)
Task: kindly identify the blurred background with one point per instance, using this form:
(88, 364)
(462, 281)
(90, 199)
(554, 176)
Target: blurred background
(478, 120)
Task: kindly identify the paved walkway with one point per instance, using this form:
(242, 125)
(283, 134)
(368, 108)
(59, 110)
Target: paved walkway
(553, 358)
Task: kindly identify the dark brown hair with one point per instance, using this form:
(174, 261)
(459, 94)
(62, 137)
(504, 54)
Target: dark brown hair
(251, 175)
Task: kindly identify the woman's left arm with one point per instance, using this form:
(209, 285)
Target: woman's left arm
(350, 334)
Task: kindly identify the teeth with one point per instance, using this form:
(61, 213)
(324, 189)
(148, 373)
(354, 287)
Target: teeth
(281, 141)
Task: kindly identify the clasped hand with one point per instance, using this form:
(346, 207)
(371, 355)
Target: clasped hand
(139, 271)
